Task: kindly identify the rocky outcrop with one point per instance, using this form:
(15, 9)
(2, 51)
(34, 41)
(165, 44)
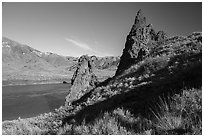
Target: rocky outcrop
(160, 36)
(136, 46)
(83, 79)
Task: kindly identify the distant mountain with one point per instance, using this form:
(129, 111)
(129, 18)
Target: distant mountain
(14, 51)
(21, 62)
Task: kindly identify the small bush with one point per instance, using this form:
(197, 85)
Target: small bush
(106, 124)
(181, 114)
(21, 128)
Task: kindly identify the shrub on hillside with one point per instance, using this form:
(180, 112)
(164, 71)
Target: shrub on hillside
(181, 114)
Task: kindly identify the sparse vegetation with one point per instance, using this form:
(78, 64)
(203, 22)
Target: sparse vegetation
(20, 128)
(169, 116)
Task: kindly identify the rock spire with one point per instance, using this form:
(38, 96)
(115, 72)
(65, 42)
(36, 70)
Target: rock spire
(136, 46)
(83, 78)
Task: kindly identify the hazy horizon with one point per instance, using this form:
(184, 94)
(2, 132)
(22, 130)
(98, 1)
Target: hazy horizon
(74, 29)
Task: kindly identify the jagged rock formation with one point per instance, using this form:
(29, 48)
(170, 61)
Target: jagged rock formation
(83, 78)
(137, 42)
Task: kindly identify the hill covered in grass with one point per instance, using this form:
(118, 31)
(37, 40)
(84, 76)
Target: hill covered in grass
(157, 89)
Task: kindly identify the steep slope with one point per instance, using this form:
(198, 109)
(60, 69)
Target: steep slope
(21, 62)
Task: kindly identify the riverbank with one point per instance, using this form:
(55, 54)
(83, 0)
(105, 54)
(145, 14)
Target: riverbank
(33, 82)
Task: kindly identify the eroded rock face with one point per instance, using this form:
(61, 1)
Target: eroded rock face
(83, 79)
(161, 35)
(136, 48)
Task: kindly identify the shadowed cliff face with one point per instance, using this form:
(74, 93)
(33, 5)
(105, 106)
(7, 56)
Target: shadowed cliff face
(83, 78)
(138, 41)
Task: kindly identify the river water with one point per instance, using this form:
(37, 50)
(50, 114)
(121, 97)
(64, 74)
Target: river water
(31, 100)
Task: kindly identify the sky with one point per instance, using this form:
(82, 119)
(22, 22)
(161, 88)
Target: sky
(75, 29)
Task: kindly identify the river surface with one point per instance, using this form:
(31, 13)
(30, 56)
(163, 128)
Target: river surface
(31, 100)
